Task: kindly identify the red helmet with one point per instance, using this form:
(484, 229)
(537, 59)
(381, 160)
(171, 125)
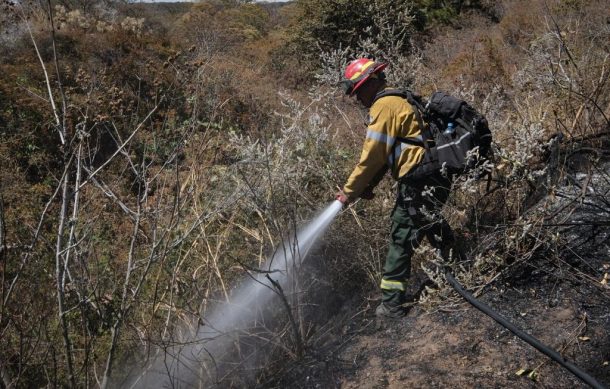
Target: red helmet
(358, 71)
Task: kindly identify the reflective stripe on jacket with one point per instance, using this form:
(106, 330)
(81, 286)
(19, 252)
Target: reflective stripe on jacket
(389, 117)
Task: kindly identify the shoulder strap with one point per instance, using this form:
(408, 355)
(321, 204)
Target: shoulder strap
(404, 93)
(418, 108)
(416, 141)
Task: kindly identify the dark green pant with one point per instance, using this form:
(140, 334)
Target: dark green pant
(415, 215)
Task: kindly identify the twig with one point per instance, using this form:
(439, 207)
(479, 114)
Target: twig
(37, 232)
(118, 151)
(2, 234)
(295, 328)
(115, 331)
(58, 122)
(59, 274)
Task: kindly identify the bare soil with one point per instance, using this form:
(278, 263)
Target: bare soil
(462, 347)
(563, 301)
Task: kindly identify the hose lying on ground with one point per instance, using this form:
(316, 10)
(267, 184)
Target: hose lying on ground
(554, 355)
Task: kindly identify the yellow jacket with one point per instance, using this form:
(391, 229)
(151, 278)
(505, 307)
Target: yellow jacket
(389, 117)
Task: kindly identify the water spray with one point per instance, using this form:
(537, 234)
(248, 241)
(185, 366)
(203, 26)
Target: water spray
(200, 348)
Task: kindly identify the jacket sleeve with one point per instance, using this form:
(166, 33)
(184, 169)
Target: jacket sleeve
(377, 178)
(373, 159)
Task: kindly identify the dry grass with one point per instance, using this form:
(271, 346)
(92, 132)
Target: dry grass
(223, 165)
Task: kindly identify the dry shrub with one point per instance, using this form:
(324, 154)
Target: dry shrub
(224, 167)
(556, 71)
(139, 247)
(537, 73)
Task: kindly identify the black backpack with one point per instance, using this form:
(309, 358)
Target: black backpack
(457, 139)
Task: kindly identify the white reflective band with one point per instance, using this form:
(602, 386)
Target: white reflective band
(405, 146)
(454, 142)
(380, 137)
(398, 151)
(393, 156)
(393, 285)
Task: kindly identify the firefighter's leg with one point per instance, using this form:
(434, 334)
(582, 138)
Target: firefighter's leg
(404, 238)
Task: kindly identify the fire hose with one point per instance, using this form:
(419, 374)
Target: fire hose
(554, 355)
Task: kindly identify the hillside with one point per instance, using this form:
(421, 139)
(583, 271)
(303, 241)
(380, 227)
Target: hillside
(155, 158)
(454, 345)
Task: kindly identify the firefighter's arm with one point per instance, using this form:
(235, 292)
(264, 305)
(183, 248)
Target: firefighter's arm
(367, 193)
(369, 170)
(373, 160)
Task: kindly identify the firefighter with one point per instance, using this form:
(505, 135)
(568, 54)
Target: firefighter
(416, 213)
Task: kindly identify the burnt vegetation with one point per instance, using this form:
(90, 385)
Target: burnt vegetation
(151, 154)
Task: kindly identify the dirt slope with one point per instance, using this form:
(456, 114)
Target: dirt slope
(463, 348)
(562, 301)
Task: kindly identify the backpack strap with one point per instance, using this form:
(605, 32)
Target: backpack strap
(424, 132)
(404, 93)
(415, 141)
(418, 108)
(467, 126)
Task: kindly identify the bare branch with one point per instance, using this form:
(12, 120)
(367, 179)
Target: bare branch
(118, 151)
(58, 121)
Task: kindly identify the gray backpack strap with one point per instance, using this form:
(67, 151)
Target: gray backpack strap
(415, 141)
